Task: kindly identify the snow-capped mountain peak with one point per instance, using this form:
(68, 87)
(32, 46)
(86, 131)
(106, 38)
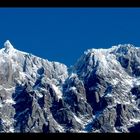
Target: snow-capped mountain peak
(8, 46)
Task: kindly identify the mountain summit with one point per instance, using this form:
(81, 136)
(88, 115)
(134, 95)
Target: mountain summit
(8, 46)
(100, 93)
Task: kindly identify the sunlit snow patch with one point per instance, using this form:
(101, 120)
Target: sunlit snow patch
(57, 91)
(9, 101)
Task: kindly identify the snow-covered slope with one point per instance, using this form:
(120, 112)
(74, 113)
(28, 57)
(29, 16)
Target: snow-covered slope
(100, 93)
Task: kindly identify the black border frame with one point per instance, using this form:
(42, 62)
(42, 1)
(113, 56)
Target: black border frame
(69, 3)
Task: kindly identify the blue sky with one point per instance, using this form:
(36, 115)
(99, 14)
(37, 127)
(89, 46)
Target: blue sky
(63, 34)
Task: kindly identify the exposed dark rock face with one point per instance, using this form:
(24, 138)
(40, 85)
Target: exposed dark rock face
(105, 120)
(135, 128)
(100, 93)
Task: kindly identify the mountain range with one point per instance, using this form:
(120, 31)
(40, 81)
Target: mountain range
(100, 93)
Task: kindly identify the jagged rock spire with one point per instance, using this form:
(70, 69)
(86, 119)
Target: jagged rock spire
(8, 46)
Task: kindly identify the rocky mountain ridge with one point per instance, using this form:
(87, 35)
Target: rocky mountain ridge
(100, 93)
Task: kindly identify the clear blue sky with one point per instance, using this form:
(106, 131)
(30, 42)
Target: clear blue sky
(63, 34)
